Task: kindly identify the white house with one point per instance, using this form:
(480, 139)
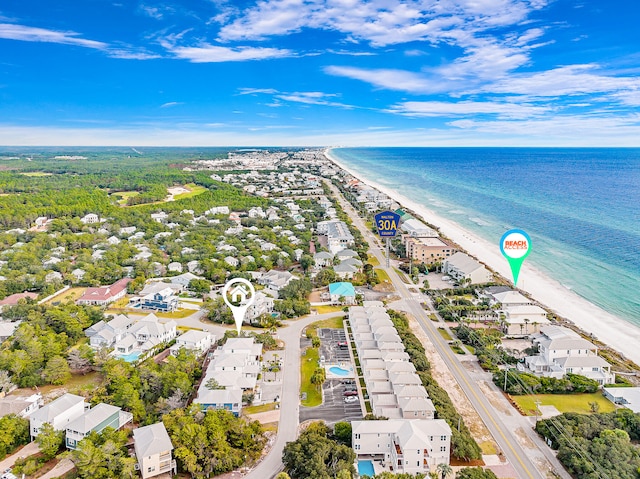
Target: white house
(523, 320)
(58, 413)
(461, 266)
(90, 219)
(174, 267)
(563, 351)
(153, 448)
(193, 340)
(407, 446)
(21, 406)
(275, 280)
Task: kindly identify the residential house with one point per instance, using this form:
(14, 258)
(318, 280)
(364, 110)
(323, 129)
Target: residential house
(342, 293)
(78, 274)
(346, 254)
(184, 279)
(563, 351)
(104, 295)
(106, 334)
(322, 259)
(276, 280)
(345, 270)
(7, 328)
(413, 446)
(153, 447)
(163, 300)
(463, 267)
(59, 413)
(193, 340)
(95, 419)
(21, 406)
(90, 219)
(14, 299)
(53, 276)
(263, 304)
(625, 397)
(174, 267)
(522, 320)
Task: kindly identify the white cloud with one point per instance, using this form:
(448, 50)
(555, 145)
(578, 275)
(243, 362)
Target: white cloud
(207, 53)
(399, 80)
(33, 34)
(567, 80)
(313, 98)
(448, 109)
(153, 12)
(253, 91)
(171, 104)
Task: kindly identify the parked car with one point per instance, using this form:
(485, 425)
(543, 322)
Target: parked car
(350, 393)
(350, 399)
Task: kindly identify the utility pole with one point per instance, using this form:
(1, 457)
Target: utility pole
(537, 403)
(506, 373)
(388, 243)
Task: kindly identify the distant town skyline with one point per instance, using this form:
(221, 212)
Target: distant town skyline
(325, 72)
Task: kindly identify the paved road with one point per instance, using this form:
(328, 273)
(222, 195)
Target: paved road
(504, 437)
(289, 403)
(28, 450)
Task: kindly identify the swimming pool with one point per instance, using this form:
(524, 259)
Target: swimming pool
(338, 371)
(131, 357)
(365, 468)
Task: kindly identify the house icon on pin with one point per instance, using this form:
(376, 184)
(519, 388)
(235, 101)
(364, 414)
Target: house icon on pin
(239, 294)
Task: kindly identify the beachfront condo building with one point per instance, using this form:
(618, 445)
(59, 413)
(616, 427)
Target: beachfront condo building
(427, 250)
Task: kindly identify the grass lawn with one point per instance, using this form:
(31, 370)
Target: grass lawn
(124, 196)
(194, 190)
(403, 276)
(445, 334)
(78, 382)
(308, 364)
(261, 408)
(488, 448)
(578, 403)
(382, 275)
(333, 323)
(372, 260)
(327, 309)
(69, 295)
(180, 313)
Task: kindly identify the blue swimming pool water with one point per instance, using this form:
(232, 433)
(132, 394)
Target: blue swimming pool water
(365, 468)
(131, 357)
(338, 371)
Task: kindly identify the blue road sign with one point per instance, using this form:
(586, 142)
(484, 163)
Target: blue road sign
(387, 223)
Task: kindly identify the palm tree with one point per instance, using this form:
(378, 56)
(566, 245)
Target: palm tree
(444, 470)
(526, 325)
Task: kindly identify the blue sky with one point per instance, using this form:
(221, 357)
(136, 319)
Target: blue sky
(324, 72)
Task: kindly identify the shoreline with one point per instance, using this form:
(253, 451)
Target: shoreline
(615, 332)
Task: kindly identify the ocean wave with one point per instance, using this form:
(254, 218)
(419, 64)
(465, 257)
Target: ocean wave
(480, 222)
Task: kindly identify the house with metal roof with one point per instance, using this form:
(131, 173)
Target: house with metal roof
(153, 448)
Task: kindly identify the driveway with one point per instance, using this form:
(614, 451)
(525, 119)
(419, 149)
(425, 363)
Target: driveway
(28, 450)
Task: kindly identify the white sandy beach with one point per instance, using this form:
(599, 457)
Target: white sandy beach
(611, 330)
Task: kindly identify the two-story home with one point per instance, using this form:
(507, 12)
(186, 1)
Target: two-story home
(563, 351)
(153, 448)
(404, 446)
(95, 419)
(193, 340)
(463, 267)
(106, 334)
(21, 406)
(59, 413)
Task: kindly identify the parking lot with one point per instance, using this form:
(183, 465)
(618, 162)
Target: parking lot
(334, 347)
(334, 408)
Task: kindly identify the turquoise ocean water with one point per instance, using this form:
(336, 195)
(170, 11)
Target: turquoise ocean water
(581, 206)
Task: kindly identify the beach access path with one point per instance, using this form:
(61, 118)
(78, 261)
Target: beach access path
(502, 432)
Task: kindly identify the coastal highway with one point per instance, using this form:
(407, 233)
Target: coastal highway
(503, 436)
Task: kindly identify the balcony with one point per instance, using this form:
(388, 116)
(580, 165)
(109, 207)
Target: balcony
(398, 449)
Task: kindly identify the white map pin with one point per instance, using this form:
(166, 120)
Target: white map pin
(242, 292)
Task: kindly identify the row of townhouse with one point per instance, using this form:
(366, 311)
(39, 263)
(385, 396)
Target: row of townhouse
(411, 440)
(235, 367)
(338, 235)
(71, 414)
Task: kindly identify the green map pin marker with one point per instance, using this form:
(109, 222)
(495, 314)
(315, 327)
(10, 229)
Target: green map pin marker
(515, 246)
